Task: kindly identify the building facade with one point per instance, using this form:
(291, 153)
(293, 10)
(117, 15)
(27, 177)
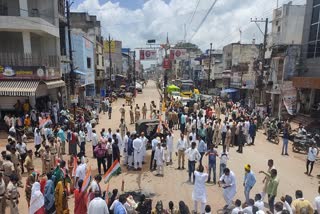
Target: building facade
(30, 53)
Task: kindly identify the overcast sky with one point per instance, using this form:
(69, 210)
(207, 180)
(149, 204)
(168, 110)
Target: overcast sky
(135, 21)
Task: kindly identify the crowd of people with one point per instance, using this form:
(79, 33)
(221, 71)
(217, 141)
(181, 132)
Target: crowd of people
(202, 131)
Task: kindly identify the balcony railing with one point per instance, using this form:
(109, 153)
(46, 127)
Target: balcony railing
(17, 59)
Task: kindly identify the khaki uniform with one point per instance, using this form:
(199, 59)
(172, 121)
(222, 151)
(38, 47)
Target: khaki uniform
(137, 114)
(46, 162)
(53, 152)
(131, 116)
(123, 113)
(2, 196)
(144, 112)
(28, 163)
(123, 128)
(16, 159)
(12, 198)
(8, 170)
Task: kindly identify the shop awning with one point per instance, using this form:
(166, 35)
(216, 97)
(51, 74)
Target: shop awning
(18, 88)
(55, 84)
(79, 72)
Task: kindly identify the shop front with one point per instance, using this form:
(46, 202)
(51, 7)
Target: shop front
(308, 99)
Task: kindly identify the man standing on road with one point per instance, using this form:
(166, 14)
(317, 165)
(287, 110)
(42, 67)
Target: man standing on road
(160, 159)
(272, 187)
(123, 128)
(249, 181)
(144, 111)
(154, 143)
(183, 122)
(169, 141)
(193, 156)
(285, 141)
(144, 146)
(212, 155)
(311, 158)
(228, 181)
(123, 112)
(266, 178)
(181, 148)
(202, 147)
(137, 146)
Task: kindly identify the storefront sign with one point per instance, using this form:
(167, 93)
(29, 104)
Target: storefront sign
(178, 54)
(28, 72)
(148, 54)
(289, 97)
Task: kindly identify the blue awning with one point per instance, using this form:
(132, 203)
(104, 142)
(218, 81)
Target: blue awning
(229, 90)
(79, 72)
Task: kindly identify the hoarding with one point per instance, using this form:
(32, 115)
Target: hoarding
(178, 54)
(148, 55)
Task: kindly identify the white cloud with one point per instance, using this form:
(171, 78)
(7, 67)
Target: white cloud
(155, 18)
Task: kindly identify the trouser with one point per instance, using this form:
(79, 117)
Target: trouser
(223, 136)
(160, 169)
(93, 147)
(247, 193)
(240, 147)
(137, 161)
(285, 146)
(212, 166)
(181, 157)
(201, 153)
(144, 115)
(152, 161)
(2, 204)
(169, 156)
(252, 139)
(130, 160)
(37, 149)
(13, 207)
(109, 161)
(222, 167)
(271, 203)
(311, 166)
(83, 147)
(125, 161)
(23, 157)
(63, 147)
(103, 162)
(201, 208)
(182, 127)
(191, 168)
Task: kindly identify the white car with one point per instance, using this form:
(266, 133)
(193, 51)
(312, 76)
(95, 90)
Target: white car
(138, 87)
(176, 95)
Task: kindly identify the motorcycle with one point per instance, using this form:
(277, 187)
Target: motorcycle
(272, 132)
(302, 142)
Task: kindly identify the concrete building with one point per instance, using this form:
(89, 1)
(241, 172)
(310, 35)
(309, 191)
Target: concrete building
(116, 57)
(216, 68)
(30, 52)
(83, 59)
(92, 29)
(287, 25)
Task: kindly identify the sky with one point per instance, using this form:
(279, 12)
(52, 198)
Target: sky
(135, 21)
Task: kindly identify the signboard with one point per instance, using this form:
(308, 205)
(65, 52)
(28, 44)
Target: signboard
(112, 46)
(289, 97)
(166, 64)
(28, 72)
(178, 54)
(148, 54)
(89, 78)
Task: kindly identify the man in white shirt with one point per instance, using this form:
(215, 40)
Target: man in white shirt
(144, 145)
(154, 143)
(312, 156)
(98, 205)
(95, 141)
(89, 130)
(238, 208)
(95, 186)
(120, 144)
(192, 137)
(259, 202)
(82, 140)
(80, 171)
(248, 209)
(181, 147)
(169, 141)
(137, 156)
(125, 147)
(193, 156)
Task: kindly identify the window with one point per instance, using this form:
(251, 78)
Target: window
(315, 15)
(313, 32)
(316, 2)
(88, 62)
(318, 49)
(277, 22)
(279, 28)
(311, 49)
(102, 61)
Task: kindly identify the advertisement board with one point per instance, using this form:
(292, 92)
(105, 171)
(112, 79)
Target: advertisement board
(166, 64)
(148, 54)
(178, 54)
(289, 97)
(112, 46)
(28, 72)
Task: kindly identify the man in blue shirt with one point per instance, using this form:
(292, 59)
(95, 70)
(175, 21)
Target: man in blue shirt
(212, 154)
(249, 181)
(202, 147)
(62, 137)
(119, 205)
(183, 119)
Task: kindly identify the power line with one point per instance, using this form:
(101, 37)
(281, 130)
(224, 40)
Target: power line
(204, 19)
(194, 12)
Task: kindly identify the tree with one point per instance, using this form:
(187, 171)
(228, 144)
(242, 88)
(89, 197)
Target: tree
(189, 46)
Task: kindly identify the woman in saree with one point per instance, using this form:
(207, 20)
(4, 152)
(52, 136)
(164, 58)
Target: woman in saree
(49, 194)
(80, 199)
(37, 200)
(61, 200)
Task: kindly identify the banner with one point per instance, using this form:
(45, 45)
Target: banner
(148, 55)
(28, 72)
(178, 54)
(289, 97)
(166, 64)
(112, 46)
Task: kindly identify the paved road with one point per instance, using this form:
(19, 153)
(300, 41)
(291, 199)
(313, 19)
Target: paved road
(173, 186)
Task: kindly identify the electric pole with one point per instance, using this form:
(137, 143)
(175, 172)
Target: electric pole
(110, 60)
(209, 72)
(134, 71)
(263, 54)
(71, 77)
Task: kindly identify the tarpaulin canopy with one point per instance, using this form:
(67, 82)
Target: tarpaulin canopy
(229, 90)
(172, 88)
